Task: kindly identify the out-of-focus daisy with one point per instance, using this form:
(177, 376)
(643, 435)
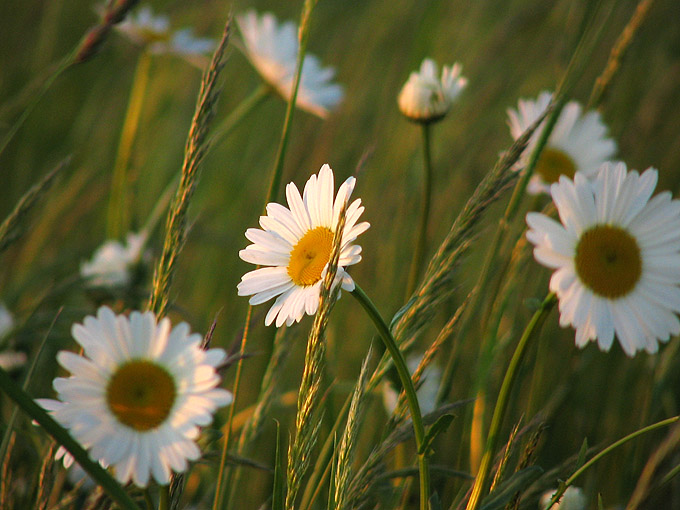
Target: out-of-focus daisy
(272, 49)
(9, 359)
(139, 393)
(577, 143)
(425, 97)
(426, 392)
(296, 243)
(112, 263)
(153, 32)
(572, 499)
(617, 257)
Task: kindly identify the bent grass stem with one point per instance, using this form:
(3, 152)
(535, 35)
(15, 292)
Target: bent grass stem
(480, 483)
(409, 389)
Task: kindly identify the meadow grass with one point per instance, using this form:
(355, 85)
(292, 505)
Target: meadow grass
(94, 131)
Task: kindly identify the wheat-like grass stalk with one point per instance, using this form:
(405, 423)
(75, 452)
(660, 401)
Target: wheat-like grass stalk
(348, 442)
(307, 421)
(195, 148)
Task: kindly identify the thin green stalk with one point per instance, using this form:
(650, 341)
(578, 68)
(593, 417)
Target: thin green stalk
(613, 446)
(486, 273)
(239, 113)
(421, 240)
(274, 184)
(502, 402)
(303, 36)
(164, 498)
(221, 482)
(118, 219)
(60, 68)
(407, 383)
(62, 436)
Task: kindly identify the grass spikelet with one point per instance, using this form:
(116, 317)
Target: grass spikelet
(345, 456)
(13, 228)
(196, 147)
(618, 52)
(436, 283)
(307, 422)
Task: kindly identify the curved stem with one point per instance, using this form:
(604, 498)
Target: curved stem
(407, 383)
(502, 401)
(421, 240)
(558, 494)
(239, 113)
(119, 211)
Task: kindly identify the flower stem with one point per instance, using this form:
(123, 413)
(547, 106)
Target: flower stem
(164, 498)
(502, 402)
(407, 383)
(118, 219)
(421, 240)
(239, 113)
(613, 446)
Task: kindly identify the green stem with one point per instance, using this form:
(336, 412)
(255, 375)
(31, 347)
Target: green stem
(62, 436)
(486, 274)
(421, 240)
(164, 498)
(239, 113)
(409, 389)
(275, 181)
(118, 220)
(620, 442)
(479, 486)
(64, 64)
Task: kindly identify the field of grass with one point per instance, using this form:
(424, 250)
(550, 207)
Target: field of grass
(508, 50)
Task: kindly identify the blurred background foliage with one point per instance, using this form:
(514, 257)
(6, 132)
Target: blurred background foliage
(509, 49)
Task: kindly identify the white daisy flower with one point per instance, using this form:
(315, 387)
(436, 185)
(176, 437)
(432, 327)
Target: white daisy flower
(572, 499)
(577, 143)
(112, 262)
(427, 389)
(272, 49)
(426, 98)
(296, 244)
(153, 32)
(616, 255)
(139, 393)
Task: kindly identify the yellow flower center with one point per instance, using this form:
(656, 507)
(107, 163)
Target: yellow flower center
(310, 255)
(552, 163)
(608, 261)
(141, 394)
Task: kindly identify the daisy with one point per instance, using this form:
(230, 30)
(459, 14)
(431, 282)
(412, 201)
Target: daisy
(617, 257)
(427, 388)
(426, 98)
(139, 393)
(572, 499)
(296, 244)
(112, 263)
(153, 32)
(272, 49)
(578, 142)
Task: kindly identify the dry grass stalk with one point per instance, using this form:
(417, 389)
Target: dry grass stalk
(617, 53)
(196, 147)
(498, 476)
(345, 455)
(11, 229)
(307, 421)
